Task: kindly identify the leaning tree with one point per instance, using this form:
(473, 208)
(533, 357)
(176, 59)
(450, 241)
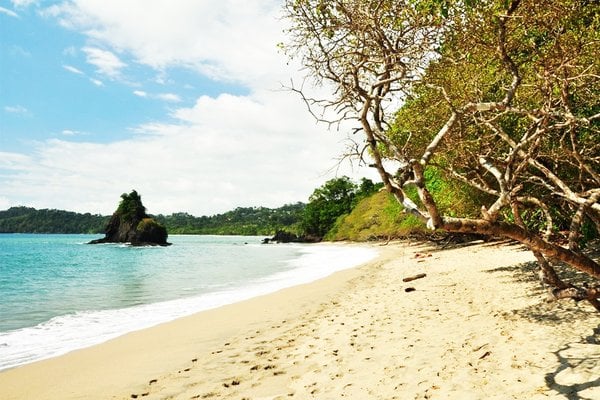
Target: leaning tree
(499, 95)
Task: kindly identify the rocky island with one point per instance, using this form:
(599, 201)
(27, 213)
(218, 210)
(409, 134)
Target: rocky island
(130, 224)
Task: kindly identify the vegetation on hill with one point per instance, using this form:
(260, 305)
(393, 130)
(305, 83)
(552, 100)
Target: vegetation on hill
(375, 217)
(497, 98)
(338, 210)
(241, 221)
(335, 198)
(130, 224)
(30, 220)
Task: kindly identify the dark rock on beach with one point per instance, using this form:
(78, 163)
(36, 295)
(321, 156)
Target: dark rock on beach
(130, 224)
(288, 237)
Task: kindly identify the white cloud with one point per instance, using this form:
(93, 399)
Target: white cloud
(229, 40)
(5, 203)
(77, 71)
(107, 62)
(72, 69)
(225, 151)
(8, 12)
(18, 109)
(14, 161)
(23, 3)
(171, 97)
(70, 132)
(221, 153)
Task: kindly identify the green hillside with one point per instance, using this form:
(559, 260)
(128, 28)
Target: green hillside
(30, 220)
(241, 221)
(378, 216)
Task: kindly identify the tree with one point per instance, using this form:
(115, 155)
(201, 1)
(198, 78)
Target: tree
(326, 204)
(131, 207)
(502, 96)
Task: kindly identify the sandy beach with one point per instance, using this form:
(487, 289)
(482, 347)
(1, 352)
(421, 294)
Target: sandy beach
(476, 326)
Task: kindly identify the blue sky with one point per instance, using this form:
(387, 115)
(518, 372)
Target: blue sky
(53, 87)
(180, 100)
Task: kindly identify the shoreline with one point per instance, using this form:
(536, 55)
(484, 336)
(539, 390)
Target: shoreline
(81, 328)
(474, 327)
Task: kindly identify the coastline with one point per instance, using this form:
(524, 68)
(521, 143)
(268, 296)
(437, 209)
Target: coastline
(476, 326)
(200, 273)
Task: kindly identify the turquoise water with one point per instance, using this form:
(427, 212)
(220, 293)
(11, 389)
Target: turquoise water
(59, 294)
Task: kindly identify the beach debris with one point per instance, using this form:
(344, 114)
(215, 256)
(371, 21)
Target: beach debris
(422, 255)
(480, 347)
(414, 277)
(409, 289)
(206, 395)
(234, 382)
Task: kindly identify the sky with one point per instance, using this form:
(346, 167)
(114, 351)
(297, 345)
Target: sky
(181, 100)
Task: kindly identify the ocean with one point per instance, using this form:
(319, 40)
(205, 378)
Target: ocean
(58, 294)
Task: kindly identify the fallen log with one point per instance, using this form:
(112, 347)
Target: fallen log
(414, 277)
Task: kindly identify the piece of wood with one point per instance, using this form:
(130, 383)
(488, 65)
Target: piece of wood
(414, 277)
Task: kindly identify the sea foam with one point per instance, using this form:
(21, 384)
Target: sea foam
(66, 333)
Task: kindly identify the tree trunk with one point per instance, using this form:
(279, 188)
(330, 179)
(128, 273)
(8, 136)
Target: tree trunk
(535, 243)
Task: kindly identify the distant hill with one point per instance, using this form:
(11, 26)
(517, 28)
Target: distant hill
(241, 221)
(378, 216)
(30, 220)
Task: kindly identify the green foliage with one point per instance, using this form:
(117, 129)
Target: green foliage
(149, 229)
(30, 220)
(241, 221)
(335, 198)
(380, 215)
(546, 37)
(147, 224)
(365, 189)
(453, 198)
(131, 207)
(375, 217)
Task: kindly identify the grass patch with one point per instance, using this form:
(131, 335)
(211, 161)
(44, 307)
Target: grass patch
(375, 217)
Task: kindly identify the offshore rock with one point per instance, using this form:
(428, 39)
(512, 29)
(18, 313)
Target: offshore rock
(130, 224)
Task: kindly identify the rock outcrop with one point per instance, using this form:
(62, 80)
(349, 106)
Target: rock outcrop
(131, 224)
(288, 237)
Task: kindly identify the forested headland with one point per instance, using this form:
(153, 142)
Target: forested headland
(326, 205)
(241, 221)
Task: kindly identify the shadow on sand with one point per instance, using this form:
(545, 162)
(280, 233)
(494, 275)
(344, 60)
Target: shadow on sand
(576, 370)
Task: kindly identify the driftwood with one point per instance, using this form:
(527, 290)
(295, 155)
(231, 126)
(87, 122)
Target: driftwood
(414, 277)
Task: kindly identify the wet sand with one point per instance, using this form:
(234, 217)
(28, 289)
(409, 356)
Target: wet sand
(476, 326)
